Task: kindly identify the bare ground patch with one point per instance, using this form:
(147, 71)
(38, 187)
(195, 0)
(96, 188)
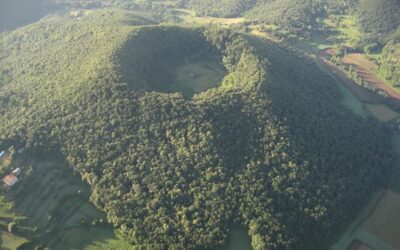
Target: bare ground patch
(366, 70)
(361, 93)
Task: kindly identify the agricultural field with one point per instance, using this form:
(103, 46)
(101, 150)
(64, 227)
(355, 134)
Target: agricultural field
(356, 231)
(382, 112)
(383, 223)
(367, 71)
(196, 77)
(52, 203)
(342, 30)
(361, 93)
(189, 17)
(9, 241)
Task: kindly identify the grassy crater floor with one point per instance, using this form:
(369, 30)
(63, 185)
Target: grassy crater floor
(197, 76)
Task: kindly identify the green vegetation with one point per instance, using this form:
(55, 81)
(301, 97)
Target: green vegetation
(9, 241)
(390, 62)
(196, 77)
(51, 208)
(343, 30)
(238, 239)
(378, 19)
(268, 148)
(300, 16)
(224, 8)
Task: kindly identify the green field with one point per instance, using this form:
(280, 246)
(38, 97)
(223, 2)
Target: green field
(196, 77)
(343, 29)
(55, 204)
(356, 231)
(189, 17)
(10, 241)
(382, 112)
(238, 239)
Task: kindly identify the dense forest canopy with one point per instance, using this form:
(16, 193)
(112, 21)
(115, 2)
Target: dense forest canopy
(270, 148)
(375, 17)
(378, 18)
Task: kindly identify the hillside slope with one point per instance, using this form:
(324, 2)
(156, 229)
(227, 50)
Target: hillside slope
(270, 147)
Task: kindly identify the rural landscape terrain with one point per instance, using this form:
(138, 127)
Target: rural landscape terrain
(200, 124)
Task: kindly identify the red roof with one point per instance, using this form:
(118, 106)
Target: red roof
(10, 180)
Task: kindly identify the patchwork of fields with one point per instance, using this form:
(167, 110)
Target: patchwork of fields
(53, 209)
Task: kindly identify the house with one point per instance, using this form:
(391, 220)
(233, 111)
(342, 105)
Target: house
(21, 150)
(11, 179)
(16, 171)
(2, 153)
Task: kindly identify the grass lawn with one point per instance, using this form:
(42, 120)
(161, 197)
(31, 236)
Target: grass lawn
(10, 241)
(238, 239)
(106, 240)
(356, 231)
(384, 222)
(195, 77)
(343, 29)
(188, 16)
(382, 112)
(351, 102)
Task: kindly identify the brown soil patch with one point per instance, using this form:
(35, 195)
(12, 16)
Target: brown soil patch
(361, 93)
(366, 70)
(384, 221)
(327, 53)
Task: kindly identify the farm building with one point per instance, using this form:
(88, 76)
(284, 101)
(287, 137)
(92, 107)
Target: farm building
(12, 178)
(358, 245)
(16, 171)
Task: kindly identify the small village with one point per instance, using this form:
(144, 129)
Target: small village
(10, 164)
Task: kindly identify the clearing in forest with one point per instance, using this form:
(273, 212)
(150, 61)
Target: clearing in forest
(198, 76)
(342, 29)
(188, 16)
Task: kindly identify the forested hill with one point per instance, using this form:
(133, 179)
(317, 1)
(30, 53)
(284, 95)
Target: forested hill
(270, 147)
(378, 18)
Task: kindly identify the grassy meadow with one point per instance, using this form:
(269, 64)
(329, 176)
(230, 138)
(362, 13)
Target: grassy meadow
(50, 206)
(198, 76)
